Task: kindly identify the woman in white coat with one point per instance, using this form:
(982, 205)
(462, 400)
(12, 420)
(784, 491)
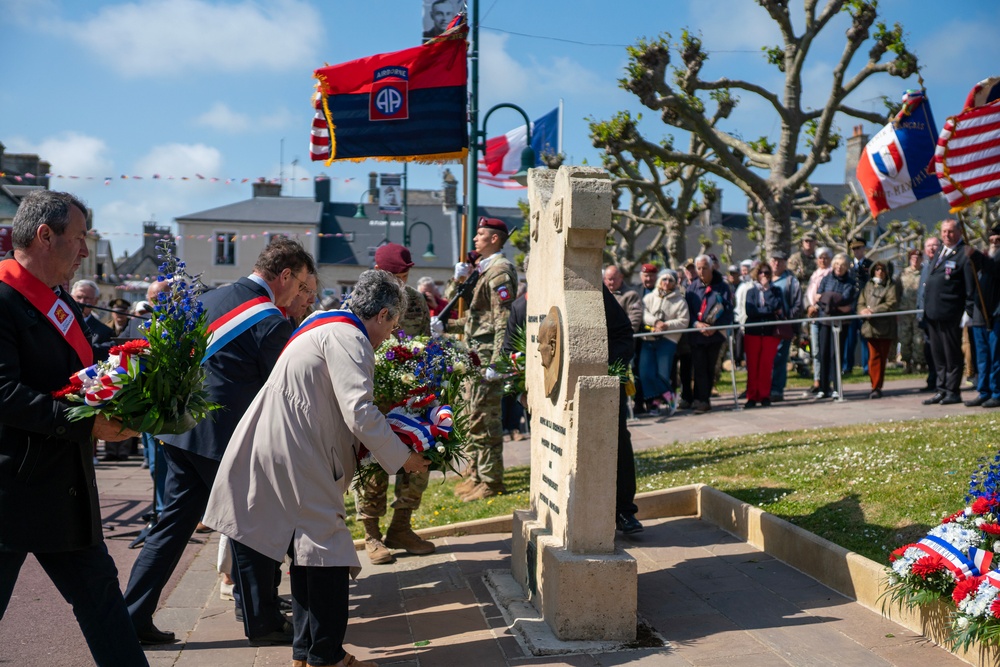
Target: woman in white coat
(281, 484)
(663, 309)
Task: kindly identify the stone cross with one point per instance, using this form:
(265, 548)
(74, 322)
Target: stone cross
(563, 549)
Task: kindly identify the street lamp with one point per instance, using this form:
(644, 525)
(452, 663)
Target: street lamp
(408, 227)
(360, 213)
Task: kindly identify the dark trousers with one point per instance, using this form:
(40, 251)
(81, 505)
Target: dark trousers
(828, 356)
(255, 588)
(681, 374)
(945, 338)
(88, 580)
(929, 356)
(319, 613)
(703, 359)
(187, 485)
(847, 350)
(625, 485)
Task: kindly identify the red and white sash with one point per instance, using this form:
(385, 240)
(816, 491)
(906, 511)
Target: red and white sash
(45, 300)
(236, 321)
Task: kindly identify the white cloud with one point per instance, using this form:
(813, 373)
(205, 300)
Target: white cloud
(224, 119)
(152, 38)
(70, 153)
(181, 160)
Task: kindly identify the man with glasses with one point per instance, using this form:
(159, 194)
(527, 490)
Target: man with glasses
(86, 293)
(248, 333)
(371, 498)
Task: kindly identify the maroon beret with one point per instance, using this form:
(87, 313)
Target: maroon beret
(649, 268)
(393, 258)
(493, 223)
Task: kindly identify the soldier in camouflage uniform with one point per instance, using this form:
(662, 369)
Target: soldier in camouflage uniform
(911, 336)
(371, 498)
(802, 264)
(485, 326)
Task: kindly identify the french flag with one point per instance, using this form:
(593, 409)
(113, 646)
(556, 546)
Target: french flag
(895, 167)
(502, 158)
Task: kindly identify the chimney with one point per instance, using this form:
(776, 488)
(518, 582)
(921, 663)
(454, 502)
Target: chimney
(450, 189)
(372, 187)
(855, 144)
(322, 185)
(263, 188)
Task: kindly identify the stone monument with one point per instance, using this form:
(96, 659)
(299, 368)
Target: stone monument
(563, 552)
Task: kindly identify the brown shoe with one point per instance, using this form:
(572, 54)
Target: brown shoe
(482, 490)
(378, 554)
(466, 485)
(401, 536)
(351, 661)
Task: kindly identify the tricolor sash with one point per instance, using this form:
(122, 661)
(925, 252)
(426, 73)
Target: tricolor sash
(56, 311)
(954, 559)
(223, 330)
(323, 317)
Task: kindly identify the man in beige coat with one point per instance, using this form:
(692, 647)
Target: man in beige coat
(282, 481)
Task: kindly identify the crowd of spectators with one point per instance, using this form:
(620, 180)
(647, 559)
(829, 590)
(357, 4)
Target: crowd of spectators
(955, 287)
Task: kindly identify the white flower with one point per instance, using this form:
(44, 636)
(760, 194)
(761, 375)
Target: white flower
(440, 449)
(968, 511)
(962, 622)
(979, 521)
(459, 367)
(417, 348)
(408, 378)
(996, 546)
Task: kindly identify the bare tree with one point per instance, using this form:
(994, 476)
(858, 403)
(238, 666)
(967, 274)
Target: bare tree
(646, 184)
(806, 136)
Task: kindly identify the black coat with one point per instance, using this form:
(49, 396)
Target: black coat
(620, 341)
(950, 287)
(100, 333)
(48, 491)
(235, 373)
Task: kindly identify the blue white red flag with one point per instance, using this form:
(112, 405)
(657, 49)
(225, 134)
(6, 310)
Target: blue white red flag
(502, 158)
(894, 169)
(967, 160)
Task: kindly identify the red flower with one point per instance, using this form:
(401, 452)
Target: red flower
(954, 517)
(995, 608)
(928, 565)
(402, 353)
(130, 347)
(898, 553)
(965, 587)
(476, 361)
(990, 528)
(984, 504)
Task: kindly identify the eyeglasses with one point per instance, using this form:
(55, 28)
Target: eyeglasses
(304, 288)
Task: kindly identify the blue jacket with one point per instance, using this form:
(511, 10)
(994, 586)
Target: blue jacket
(764, 306)
(837, 296)
(236, 372)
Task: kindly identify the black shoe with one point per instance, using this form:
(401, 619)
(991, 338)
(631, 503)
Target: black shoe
(284, 606)
(750, 404)
(282, 637)
(627, 523)
(877, 393)
(950, 399)
(976, 402)
(153, 635)
(766, 403)
(936, 398)
(815, 390)
(992, 403)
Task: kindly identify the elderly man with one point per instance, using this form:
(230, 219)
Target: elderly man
(803, 262)
(931, 248)
(627, 298)
(237, 365)
(86, 293)
(711, 304)
(861, 268)
(791, 294)
(648, 279)
(49, 505)
(370, 499)
(911, 336)
(485, 326)
(948, 296)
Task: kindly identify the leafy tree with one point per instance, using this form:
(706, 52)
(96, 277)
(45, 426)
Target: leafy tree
(771, 173)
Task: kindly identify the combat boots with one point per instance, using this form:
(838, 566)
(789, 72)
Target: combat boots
(466, 484)
(483, 490)
(401, 536)
(378, 554)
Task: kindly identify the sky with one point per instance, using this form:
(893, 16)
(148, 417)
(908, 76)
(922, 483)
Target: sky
(221, 89)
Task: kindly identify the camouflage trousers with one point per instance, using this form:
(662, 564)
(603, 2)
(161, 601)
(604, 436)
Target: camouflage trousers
(911, 340)
(485, 430)
(371, 498)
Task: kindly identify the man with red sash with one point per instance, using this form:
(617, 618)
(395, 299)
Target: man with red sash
(48, 492)
(248, 332)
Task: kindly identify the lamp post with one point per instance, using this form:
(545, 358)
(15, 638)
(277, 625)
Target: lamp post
(408, 227)
(360, 213)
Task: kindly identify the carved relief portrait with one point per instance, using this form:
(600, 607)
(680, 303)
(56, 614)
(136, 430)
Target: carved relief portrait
(550, 349)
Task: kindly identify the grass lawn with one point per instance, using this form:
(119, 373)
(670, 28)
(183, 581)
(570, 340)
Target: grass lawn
(869, 488)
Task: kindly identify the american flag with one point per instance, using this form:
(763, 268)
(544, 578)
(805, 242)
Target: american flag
(967, 159)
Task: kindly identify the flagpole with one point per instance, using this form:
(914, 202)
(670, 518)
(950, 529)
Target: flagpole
(560, 136)
(472, 181)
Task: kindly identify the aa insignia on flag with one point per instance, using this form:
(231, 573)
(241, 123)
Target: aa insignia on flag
(389, 98)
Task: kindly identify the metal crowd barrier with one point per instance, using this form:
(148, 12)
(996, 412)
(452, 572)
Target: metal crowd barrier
(727, 329)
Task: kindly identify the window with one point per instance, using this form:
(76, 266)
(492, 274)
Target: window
(225, 248)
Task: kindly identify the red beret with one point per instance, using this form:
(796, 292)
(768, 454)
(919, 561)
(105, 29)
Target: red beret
(649, 268)
(393, 258)
(493, 223)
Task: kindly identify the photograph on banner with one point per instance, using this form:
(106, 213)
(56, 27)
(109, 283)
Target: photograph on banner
(390, 194)
(437, 15)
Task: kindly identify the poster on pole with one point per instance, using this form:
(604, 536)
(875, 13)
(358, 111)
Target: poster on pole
(390, 194)
(437, 15)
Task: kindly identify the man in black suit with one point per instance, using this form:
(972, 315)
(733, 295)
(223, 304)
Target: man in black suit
(948, 295)
(86, 293)
(48, 492)
(237, 363)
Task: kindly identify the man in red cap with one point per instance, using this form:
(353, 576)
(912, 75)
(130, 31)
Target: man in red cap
(410, 486)
(485, 326)
(648, 278)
